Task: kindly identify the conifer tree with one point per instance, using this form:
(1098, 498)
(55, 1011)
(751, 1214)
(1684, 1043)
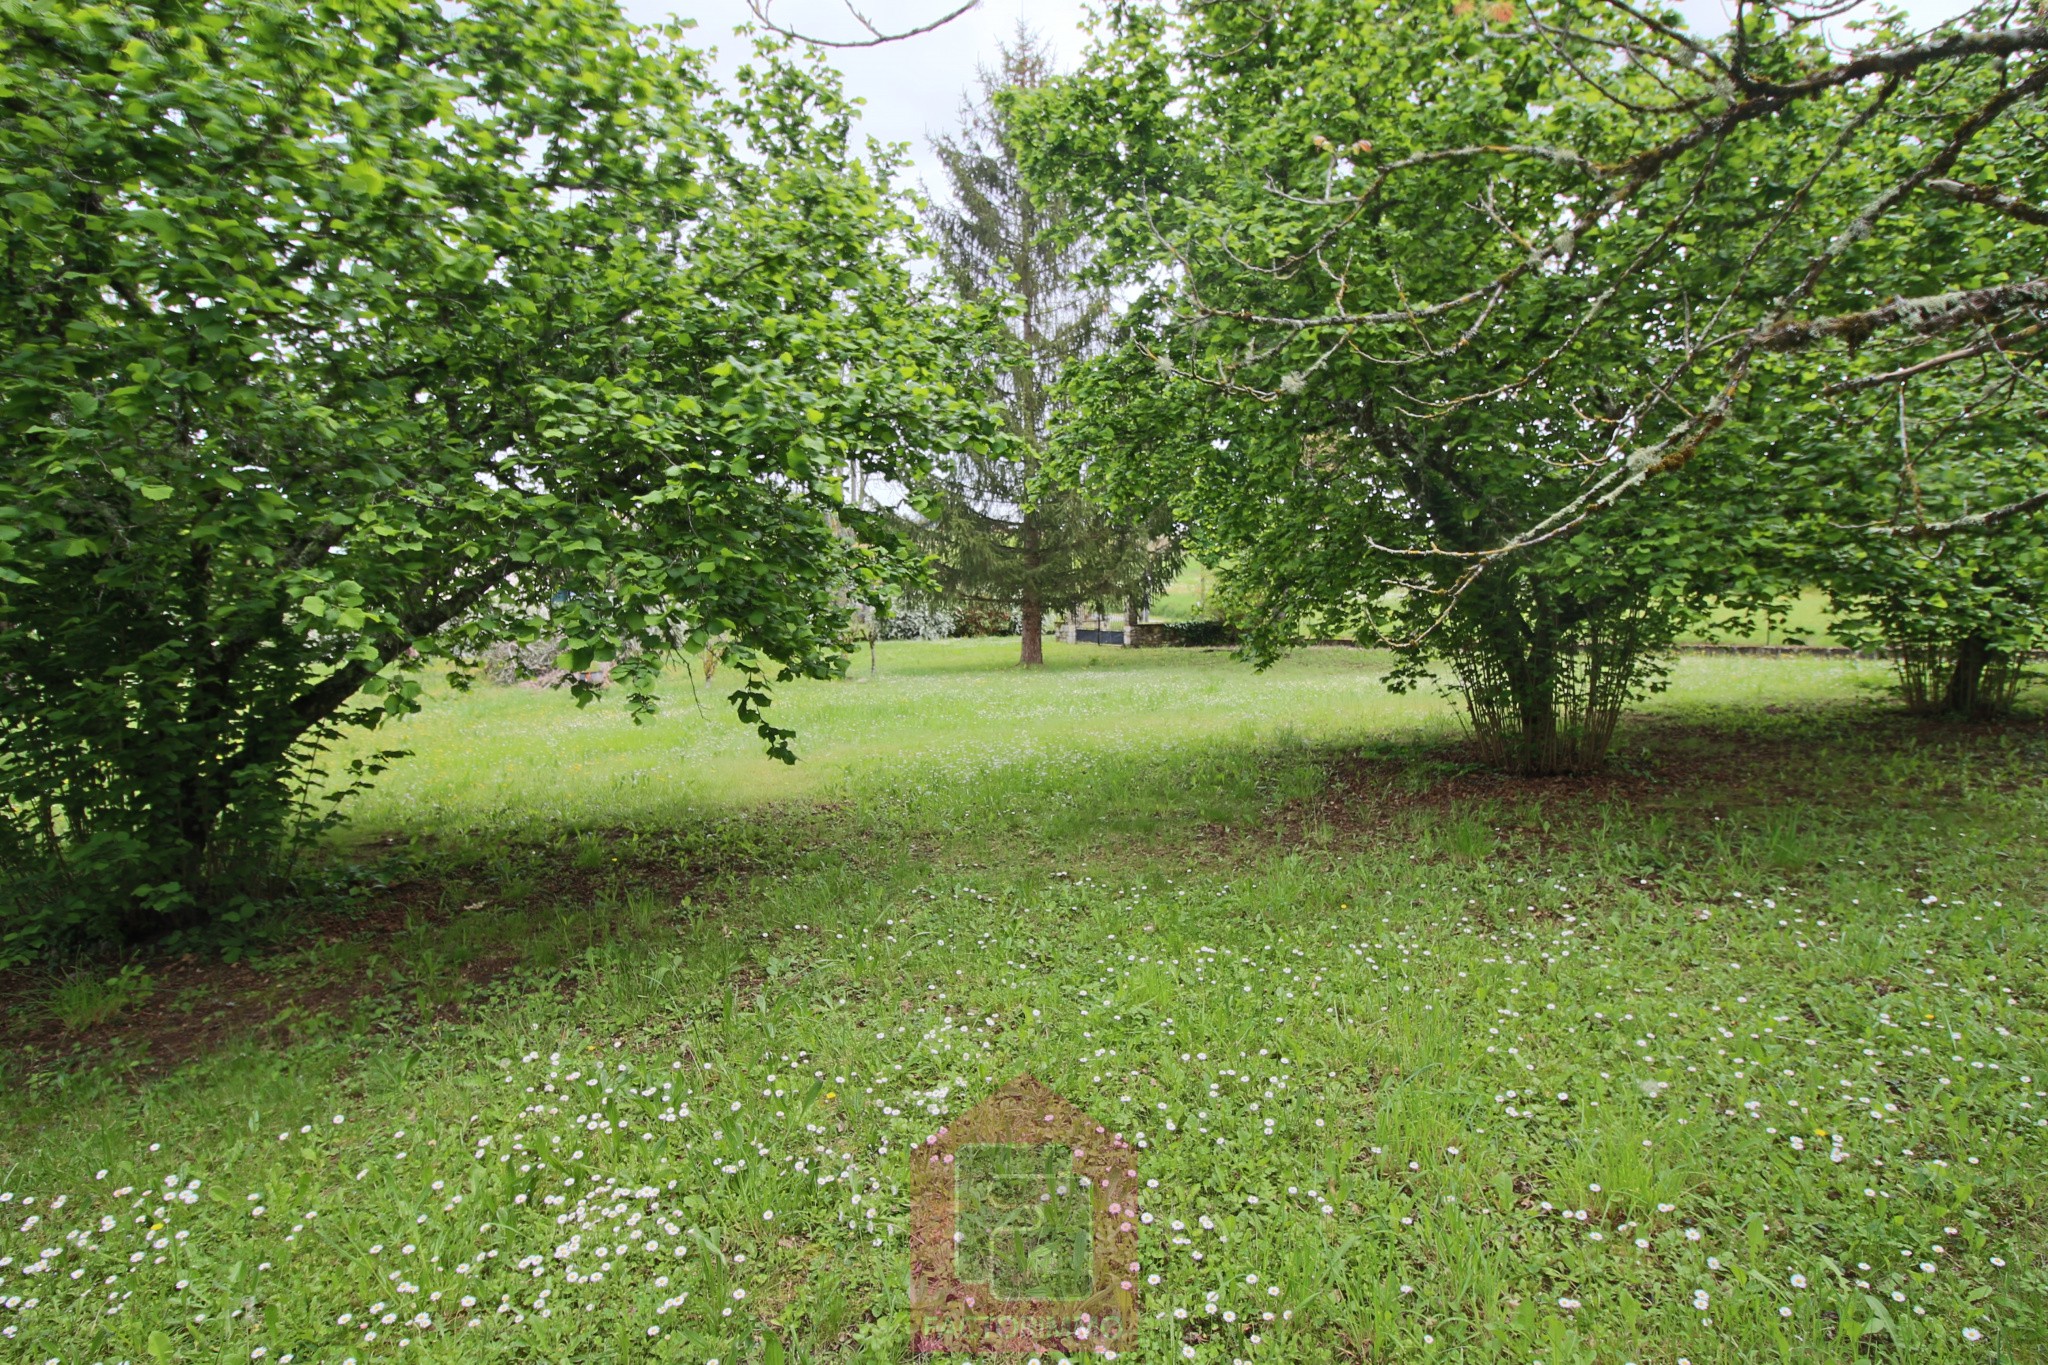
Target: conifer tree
(998, 531)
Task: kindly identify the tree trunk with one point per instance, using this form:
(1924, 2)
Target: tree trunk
(1033, 630)
(1536, 709)
(1965, 692)
(1032, 614)
(1536, 678)
(1543, 687)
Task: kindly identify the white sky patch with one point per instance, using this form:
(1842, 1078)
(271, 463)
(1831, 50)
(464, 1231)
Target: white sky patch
(912, 89)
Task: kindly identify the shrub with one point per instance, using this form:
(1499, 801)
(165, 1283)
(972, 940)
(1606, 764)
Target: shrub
(340, 341)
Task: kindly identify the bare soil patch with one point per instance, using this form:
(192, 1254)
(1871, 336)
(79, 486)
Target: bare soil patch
(200, 1002)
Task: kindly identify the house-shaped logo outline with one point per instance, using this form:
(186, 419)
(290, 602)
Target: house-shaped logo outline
(953, 1316)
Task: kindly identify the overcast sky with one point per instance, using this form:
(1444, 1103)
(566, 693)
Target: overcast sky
(912, 89)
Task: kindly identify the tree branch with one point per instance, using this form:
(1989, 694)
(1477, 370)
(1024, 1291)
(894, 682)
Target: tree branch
(1997, 42)
(2006, 204)
(1946, 358)
(876, 37)
(1976, 521)
(1927, 316)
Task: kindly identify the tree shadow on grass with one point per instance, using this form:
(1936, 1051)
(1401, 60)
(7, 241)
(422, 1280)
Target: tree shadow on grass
(423, 934)
(1773, 790)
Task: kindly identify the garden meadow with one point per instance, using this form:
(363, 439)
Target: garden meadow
(1713, 1058)
(1341, 683)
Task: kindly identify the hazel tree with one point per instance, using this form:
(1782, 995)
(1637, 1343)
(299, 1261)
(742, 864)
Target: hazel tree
(344, 337)
(1627, 127)
(1467, 285)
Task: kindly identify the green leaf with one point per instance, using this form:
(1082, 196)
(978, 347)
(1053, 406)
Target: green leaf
(364, 178)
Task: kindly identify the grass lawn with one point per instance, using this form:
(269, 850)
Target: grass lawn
(616, 1041)
(1808, 620)
(1187, 597)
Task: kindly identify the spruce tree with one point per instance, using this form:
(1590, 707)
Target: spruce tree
(998, 531)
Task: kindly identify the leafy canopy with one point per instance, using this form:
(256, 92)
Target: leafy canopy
(1433, 301)
(348, 334)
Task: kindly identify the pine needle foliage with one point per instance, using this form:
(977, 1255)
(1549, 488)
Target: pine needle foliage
(998, 529)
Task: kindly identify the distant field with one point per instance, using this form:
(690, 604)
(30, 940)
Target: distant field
(614, 1043)
(1808, 620)
(518, 756)
(1187, 598)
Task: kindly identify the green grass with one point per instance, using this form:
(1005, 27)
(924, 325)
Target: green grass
(84, 998)
(936, 717)
(1808, 617)
(1457, 1068)
(1808, 620)
(1187, 597)
(945, 712)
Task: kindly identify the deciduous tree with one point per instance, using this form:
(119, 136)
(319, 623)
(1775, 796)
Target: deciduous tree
(1471, 283)
(344, 336)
